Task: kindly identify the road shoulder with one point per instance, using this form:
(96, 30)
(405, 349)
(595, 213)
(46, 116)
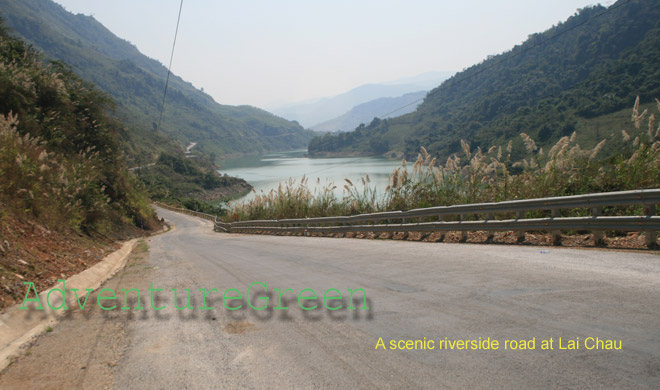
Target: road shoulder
(86, 345)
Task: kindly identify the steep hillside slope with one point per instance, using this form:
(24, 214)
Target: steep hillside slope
(65, 192)
(556, 82)
(60, 157)
(137, 83)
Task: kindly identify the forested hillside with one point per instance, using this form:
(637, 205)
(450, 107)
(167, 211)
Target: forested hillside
(137, 83)
(565, 79)
(60, 157)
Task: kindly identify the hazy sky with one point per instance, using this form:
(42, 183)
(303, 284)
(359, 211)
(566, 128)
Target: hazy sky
(268, 52)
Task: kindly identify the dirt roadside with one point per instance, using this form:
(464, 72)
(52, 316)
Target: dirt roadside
(85, 346)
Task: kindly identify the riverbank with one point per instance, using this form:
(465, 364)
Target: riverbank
(236, 189)
(193, 183)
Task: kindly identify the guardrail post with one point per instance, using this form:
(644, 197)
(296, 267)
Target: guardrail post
(556, 234)
(597, 235)
(520, 234)
(490, 233)
(464, 234)
(405, 232)
(651, 235)
(441, 232)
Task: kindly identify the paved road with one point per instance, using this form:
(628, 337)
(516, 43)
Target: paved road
(415, 291)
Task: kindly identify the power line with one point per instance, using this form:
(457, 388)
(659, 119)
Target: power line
(169, 68)
(507, 58)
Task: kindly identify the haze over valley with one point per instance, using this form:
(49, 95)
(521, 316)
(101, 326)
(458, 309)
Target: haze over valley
(316, 113)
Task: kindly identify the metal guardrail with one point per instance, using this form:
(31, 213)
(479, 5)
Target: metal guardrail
(209, 217)
(401, 221)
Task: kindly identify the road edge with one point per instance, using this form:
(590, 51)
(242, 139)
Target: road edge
(19, 327)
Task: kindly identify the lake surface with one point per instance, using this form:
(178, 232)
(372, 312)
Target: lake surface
(265, 172)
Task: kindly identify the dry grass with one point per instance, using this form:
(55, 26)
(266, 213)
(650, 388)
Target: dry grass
(40, 182)
(475, 176)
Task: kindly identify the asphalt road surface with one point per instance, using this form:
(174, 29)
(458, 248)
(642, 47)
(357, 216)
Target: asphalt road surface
(520, 296)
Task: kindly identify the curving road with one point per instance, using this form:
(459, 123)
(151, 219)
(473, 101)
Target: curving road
(415, 290)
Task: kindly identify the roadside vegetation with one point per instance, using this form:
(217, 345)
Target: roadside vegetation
(475, 175)
(60, 154)
(66, 195)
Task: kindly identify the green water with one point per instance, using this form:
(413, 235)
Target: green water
(265, 172)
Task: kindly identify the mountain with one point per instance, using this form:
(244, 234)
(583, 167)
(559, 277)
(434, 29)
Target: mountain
(366, 112)
(137, 82)
(317, 111)
(577, 76)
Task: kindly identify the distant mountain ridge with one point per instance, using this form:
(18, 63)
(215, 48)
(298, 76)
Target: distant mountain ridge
(562, 80)
(137, 82)
(379, 108)
(312, 113)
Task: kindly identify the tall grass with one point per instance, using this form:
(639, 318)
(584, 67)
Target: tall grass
(48, 185)
(477, 175)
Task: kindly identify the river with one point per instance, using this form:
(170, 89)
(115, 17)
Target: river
(265, 172)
